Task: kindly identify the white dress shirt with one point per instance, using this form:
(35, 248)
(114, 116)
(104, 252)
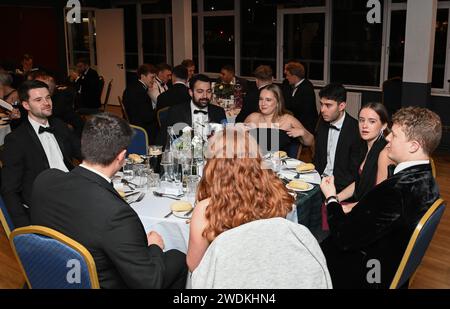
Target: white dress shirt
(156, 90)
(199, 120)
(404, 165)
(96, 172)
(333, 137)
(296, 87)
(51, 147)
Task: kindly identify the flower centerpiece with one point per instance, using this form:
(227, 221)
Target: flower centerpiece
(223, 91)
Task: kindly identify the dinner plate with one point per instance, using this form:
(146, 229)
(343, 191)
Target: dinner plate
(182, 214)
(310, 187)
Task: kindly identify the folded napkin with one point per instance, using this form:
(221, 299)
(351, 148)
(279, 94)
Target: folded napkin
(170, 188)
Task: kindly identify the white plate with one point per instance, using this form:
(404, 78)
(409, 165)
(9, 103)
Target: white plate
(290, 163)
(310, 187)
(181, 214)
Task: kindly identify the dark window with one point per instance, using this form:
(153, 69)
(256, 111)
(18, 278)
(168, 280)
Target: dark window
(157, 7)
(440, 48)
(397, 44)
(130, 27)
(258, 35)
(154, 40)
(304, 39)
(218, 5)
(356, 45)
(219, 42)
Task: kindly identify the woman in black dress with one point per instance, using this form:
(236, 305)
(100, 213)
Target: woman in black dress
(373, 120)
(273, 126)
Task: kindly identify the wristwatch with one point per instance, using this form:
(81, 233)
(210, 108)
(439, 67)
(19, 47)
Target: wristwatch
(330, 199)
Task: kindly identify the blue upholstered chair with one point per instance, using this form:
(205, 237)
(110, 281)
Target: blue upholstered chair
(162, 116)
(51, 260)
(139, 143)
(418, 244)
(6, 220)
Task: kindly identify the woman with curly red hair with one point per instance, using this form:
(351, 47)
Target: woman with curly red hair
(236, 188)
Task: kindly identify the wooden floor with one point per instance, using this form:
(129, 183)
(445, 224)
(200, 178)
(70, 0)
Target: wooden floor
(434, 271)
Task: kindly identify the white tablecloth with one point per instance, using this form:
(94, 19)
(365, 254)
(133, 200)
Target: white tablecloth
(4, 130)
(174, 231)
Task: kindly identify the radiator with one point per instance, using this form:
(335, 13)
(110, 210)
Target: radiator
(353, 103)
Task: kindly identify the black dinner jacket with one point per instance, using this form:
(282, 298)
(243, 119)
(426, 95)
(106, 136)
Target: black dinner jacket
(85, 207)
(138, 105)
(90, 94)
(349, 151)
(181, 114)
(177, 94)
(303, 105)
(380, 225)
(24, 159)
(63, 108)
(250, 104)
(239, 80)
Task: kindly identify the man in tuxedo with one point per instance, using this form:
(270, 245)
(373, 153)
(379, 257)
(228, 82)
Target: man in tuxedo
(63, 99)
(264, 77)
(88, 86)
(338, 144)
(379, 226)
(301, 100)
(162, 81)
(198, 113)
(84, 205)
(137, 101)
(228, 76)
(39, 143)
(178, 93)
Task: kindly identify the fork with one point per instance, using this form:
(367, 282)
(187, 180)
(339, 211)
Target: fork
(171, 196)
(140, 198)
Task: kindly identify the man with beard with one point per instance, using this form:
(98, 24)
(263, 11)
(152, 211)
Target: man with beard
(39, 143)
(198, 113)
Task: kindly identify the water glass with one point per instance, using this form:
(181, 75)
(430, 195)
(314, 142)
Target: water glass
(191, 186)
(276, 164)
(128, 172)
(153, 181)
(142, 176)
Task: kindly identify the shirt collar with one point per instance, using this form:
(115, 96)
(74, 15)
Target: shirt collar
(36, 124)
(404, 165)
(339, 123)
(96, 172)
(145, 86)
(298, 84)
(180, 82)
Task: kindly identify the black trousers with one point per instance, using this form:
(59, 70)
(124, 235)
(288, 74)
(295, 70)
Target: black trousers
(176, 270)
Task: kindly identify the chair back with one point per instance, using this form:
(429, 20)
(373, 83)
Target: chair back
(418, 244)
(122, 107)
(161, 116)
(108, 93)
(264, 254)
(433, 167)
(5, 218)
(101, 85)
(139, 143)
(51, 260)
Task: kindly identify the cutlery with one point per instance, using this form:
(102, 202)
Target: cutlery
(125, 182)
(131, 193)
(171, 196)
(189, 212)
(169, 214)
(138, 199)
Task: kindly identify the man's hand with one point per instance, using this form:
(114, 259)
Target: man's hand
(327, 186)
(154, 238)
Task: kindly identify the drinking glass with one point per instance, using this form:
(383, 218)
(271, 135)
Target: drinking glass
(153, 181)
(128, 172)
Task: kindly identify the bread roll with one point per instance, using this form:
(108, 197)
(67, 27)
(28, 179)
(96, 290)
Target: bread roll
(305, 167)
(280, 154)
(298, 184)
(181, 206)
(135, 158)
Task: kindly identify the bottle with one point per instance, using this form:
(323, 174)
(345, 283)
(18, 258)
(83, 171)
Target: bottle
(169, 139)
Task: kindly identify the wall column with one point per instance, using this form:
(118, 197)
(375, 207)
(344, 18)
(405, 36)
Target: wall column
(419, 52)
(182, 30)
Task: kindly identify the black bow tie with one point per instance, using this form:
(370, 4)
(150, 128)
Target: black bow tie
(200, 111)
(331, 126)
(46, 129)
(391, 169)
